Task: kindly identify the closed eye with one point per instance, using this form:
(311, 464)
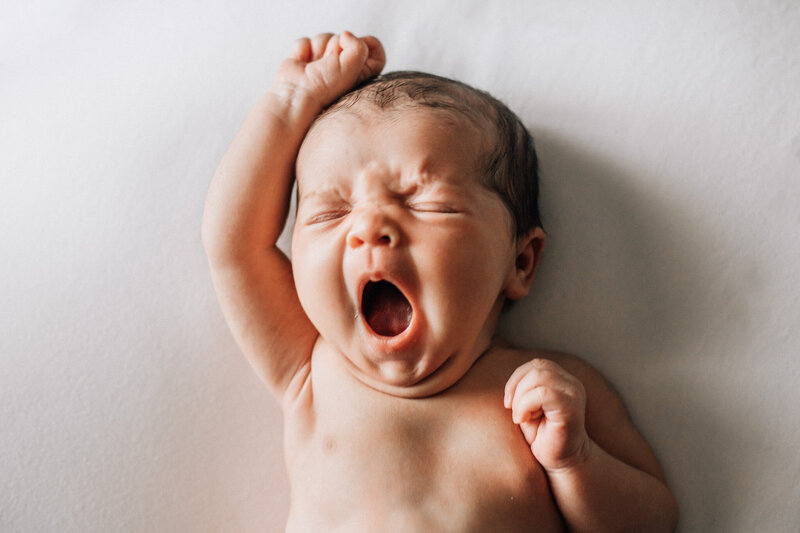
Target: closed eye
(432, 207)
(327, 216)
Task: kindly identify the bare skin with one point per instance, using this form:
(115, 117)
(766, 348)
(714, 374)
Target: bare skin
(440, 427)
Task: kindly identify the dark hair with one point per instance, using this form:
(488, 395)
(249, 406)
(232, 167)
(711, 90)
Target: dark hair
(509, 167)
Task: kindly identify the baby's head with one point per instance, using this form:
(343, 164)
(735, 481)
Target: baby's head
(417, 219)
(508, 166)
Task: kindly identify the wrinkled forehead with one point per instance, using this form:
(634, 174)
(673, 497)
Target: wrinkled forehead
(469, 111)
(438, 134)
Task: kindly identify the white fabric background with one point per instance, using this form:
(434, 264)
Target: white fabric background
(669, 137)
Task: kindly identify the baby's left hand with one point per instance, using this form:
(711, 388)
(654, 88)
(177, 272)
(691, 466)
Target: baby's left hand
(549, 404)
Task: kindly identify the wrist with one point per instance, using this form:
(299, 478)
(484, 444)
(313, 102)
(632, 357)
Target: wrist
(576, 462)
(292, 102)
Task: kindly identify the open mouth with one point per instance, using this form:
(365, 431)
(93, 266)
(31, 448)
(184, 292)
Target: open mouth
(386, 310)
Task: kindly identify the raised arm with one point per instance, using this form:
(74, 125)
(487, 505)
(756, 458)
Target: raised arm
(248, 201)
(603, 475)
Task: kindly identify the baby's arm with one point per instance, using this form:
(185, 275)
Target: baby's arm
(603, 474)
(247, 204)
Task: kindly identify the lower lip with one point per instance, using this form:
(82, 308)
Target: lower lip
(402, 341)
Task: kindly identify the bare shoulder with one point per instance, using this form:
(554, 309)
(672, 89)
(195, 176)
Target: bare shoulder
(607, 421)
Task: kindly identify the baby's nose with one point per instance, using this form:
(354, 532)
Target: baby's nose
(374, 228)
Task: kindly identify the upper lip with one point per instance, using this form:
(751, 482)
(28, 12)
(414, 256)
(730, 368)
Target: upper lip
(380, 266)
(378, 275)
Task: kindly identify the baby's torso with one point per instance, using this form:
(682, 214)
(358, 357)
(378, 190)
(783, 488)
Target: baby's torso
(360, 460)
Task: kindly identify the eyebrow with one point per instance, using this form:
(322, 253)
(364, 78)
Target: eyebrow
(424, 175)
(322, 191)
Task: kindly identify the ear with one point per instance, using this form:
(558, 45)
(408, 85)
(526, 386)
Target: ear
(529, 252)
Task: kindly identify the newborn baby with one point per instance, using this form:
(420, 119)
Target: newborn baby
(417, 221)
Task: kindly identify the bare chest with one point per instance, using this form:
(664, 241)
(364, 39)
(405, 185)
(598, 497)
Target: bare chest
(453, 462)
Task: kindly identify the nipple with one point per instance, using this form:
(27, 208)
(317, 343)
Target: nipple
(385, 308)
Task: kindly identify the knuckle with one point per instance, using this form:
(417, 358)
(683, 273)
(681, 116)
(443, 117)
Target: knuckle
(533, 365)
(542, 364)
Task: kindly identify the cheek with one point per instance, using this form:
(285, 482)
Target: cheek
(313, 277)
(470, 273)
(319, 282)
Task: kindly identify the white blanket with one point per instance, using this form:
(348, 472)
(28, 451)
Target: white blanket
(670, 158)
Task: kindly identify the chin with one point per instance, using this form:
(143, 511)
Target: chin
(400, 374)
(411, 380)
(393, 369)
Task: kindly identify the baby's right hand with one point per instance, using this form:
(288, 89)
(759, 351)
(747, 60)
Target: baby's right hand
(327, 66)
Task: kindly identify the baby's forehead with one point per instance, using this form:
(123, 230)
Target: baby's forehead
(461, 128)
(427, 149)
(435, 131)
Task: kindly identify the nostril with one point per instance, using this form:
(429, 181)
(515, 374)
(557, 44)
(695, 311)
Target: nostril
(389, 235)
(354, 241)
(374, 229)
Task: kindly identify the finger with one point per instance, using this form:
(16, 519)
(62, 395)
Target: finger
(516, 377)
(301, 50)
(351, 44)
(528, 404)
(333, 46)
(318, 44)
(549, 376)
(354, 54)
(537, 371)
(559, 403)
(348, 40)
(512, 382)
(376, 56)
(553, 404)
(375, 47)
(546, 376)
(530, 430)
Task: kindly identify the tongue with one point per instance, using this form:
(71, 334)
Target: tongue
(385, 308)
